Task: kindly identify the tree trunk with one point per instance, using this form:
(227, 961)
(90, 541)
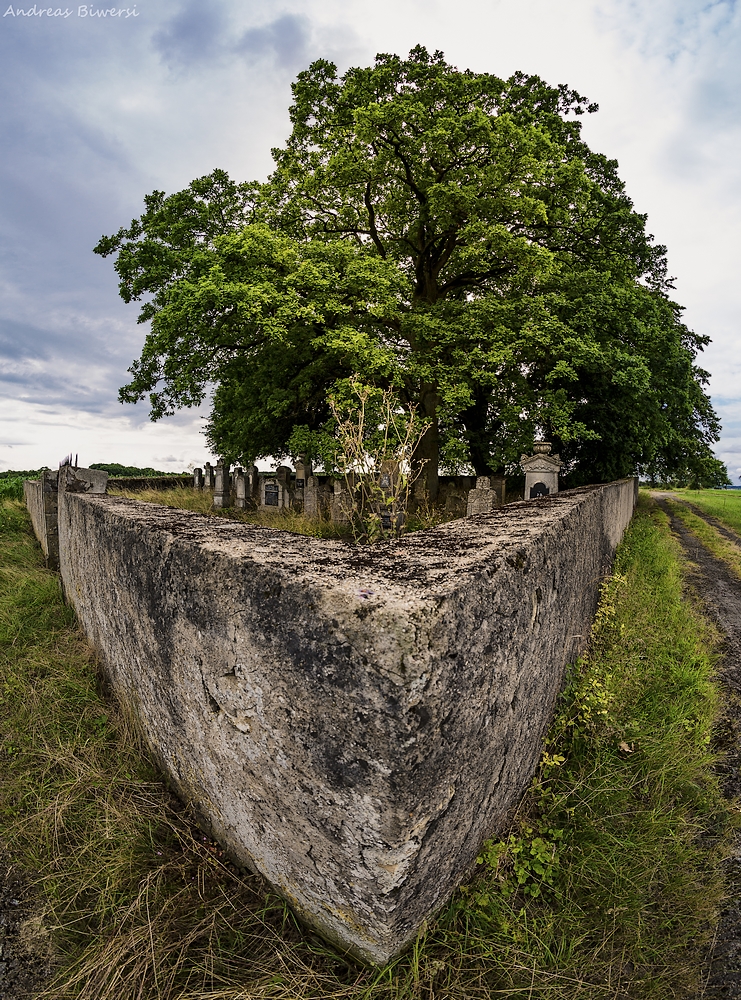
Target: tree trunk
(428, 449)
(478, 433)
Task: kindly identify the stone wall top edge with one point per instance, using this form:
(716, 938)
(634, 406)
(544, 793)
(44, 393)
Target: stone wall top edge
(424, 558)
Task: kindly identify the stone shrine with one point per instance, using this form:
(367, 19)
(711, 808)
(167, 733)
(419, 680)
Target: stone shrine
(541, 471)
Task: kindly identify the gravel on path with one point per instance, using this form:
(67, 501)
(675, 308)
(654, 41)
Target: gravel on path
(25, 944)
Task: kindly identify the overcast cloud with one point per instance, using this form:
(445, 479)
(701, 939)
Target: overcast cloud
(96, 112)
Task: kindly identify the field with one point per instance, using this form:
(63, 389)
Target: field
(607, 884)
(723, 504)
(724, 509)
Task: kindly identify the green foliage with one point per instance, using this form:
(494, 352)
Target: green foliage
(11, 488)
(690, 471)
(526, 862)
(11, 483)
(116, 469)
(449, 235)
(17, 474)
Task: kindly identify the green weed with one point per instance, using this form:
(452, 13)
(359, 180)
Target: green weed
(606, 884)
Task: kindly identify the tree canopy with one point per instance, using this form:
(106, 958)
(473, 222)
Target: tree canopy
(443, 233)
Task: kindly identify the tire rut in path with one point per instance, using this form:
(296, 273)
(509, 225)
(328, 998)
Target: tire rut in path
(719, 592)
(25, 953)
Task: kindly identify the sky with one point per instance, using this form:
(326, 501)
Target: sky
(97, 111)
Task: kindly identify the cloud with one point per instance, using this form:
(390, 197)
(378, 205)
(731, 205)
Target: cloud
(200, 33)
(284, 40)
(34, 436)
(94, 114)
(729, 448)
(193, 35)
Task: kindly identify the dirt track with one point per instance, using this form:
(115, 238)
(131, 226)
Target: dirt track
(719, 593)
(25, 958)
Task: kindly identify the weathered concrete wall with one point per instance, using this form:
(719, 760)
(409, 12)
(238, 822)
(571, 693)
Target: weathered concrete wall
(41, 499)
(353, 721)
(34, 497)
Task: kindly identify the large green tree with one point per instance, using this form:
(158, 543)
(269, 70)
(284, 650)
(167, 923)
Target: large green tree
(445, 233)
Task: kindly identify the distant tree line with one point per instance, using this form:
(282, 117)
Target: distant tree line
(132, 471)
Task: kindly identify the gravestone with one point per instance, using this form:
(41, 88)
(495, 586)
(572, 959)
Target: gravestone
(393, 511)
(419, 494)
(342, 502)
(252, 486)
(209, 480)
(222, 488)
(541, 471)
(456, 504)
(499, 486)
(482, 499)
(240, 488)
(389, 471)
(274, 491)
(311, 497)
(197, 479)
(453, 495)
(304, 472)
(317, 497)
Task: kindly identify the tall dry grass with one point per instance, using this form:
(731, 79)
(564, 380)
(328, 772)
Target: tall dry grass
(606, 885)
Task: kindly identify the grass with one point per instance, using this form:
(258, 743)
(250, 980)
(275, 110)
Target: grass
(721, 547)
(606, 885)
(725, 505)
(187, 498)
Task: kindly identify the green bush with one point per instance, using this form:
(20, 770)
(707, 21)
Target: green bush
(12, 488)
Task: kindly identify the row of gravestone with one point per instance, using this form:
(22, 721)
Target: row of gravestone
(300, 490)
(318, 495)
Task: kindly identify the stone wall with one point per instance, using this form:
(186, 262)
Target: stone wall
(33, 495)
(350, 721)
(41, 500)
